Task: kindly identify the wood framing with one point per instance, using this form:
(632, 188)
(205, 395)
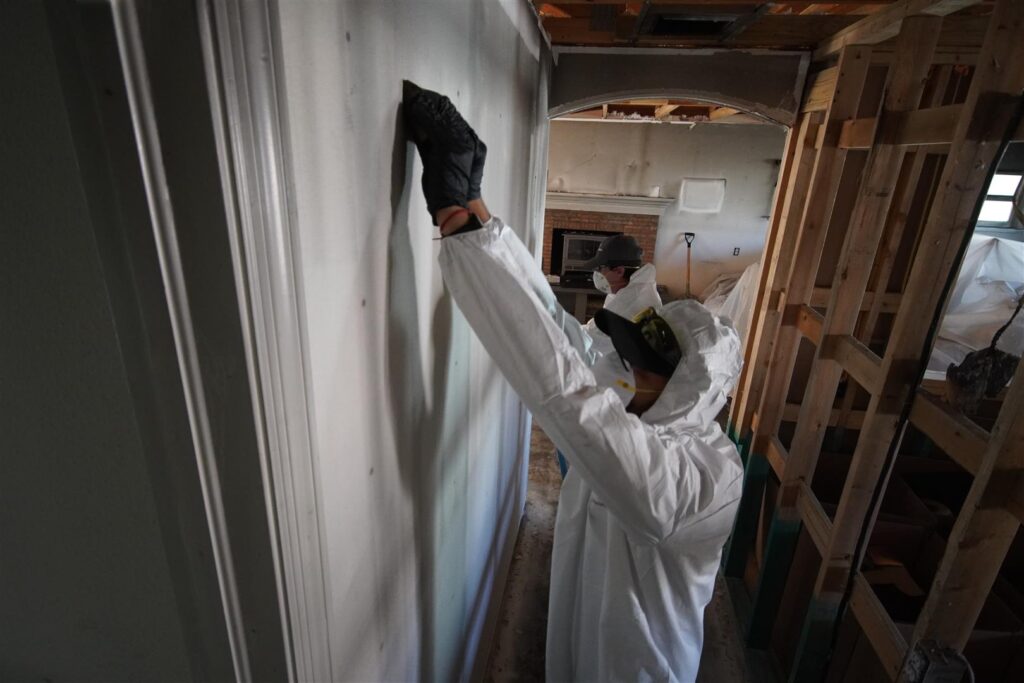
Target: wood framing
(820, 90)
(826, 177)
(951, 430)
(909, 178)
(906, 84)
(933, 126)
(778, 264)
(885, 24)
(982, 535)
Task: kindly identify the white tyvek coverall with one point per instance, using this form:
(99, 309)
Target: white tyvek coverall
(649, 501)
(640, 292)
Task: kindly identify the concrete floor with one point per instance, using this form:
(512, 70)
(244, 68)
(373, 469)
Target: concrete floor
(518, 650)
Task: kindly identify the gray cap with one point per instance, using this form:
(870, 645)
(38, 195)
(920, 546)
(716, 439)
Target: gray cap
(617, 250)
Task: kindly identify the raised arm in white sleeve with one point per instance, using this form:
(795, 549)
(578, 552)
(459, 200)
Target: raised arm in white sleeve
(578, 336)
(648, 481)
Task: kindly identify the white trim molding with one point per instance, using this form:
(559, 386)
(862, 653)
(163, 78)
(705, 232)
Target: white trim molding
(608, 203)
(158, 199)
(241, 51)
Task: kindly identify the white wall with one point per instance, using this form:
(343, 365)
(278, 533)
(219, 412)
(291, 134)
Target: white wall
(633, 158)
(419, 441)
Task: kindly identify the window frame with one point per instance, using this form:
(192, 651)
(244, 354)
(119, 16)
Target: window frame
(1016, 219)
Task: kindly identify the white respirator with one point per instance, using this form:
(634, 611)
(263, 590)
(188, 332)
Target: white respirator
(601, 283)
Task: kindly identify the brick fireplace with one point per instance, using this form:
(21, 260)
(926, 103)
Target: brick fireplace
(643, 227)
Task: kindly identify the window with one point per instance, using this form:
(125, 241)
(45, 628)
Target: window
(1000, 206)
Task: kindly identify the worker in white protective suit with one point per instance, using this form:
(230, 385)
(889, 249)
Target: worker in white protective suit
(630, 284)
(654, 485)
(631, 287)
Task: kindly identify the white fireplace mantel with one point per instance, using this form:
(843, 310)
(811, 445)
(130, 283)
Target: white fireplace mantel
(607, 203)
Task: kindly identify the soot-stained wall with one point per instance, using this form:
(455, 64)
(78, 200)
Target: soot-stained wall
(637, 158)
(419, 442)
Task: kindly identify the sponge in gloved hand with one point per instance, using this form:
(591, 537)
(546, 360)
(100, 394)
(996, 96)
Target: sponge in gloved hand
(452, 154)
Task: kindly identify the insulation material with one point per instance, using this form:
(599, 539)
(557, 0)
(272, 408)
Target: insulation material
(990, 283)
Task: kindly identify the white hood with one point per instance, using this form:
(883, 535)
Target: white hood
(712, 358)
(640, 293)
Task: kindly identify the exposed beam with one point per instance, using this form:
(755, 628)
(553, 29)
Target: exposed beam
(856, 359)
(776, 454)
(887, 641)
(885, 24)
(664, 111)
(816, 521)
(951, 430)
(641, 17)
(744, 22)
(806, 319)
(982, 534)
(742, 411)
(890, 300)
(722, 113)
(896, 223)
(786, 224)
(549, 10)
(772, 31)
(778, 346)
(853, 419)
(932, 126)
(786, 216)
(800, 3)
(866, 223)
(918, 36)
(820, 89)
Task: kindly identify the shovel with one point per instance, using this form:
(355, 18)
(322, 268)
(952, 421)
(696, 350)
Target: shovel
(689, 237)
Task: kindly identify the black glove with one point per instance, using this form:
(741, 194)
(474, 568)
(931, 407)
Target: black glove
(452, 154)
(476, 174)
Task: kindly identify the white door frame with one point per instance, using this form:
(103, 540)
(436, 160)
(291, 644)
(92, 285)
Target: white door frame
(241, 53)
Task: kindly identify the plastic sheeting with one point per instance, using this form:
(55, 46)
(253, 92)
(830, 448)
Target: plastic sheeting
(990, 283)
(731, 295)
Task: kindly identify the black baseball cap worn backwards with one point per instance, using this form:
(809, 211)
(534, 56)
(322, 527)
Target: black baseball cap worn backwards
(646, 341)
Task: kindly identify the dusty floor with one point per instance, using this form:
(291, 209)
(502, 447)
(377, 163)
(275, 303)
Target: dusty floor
(518, 650)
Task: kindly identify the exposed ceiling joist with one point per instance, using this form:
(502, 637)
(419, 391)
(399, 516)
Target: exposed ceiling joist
(743, 23)
(721, 2)
(662, 112)
(723, 113)
(546, 9)
(822, 26)
(886, 23)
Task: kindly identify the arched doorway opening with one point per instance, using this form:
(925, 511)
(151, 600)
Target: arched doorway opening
(659, 167)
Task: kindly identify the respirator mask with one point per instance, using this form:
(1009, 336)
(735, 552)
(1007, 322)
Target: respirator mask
(601, 283)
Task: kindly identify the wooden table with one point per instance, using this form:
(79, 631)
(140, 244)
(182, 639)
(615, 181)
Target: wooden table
(576, 299)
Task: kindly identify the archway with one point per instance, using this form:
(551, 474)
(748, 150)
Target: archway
(638, 179)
